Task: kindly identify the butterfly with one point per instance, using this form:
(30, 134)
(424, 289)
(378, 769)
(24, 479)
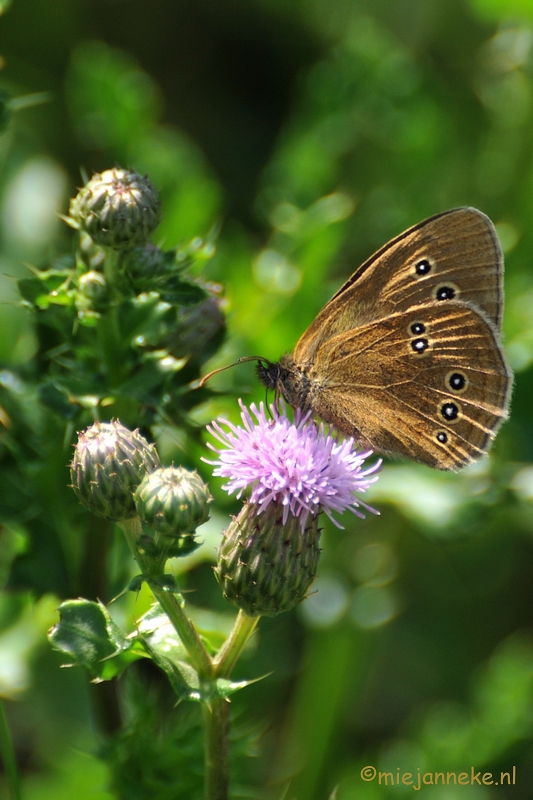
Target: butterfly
(407, 357)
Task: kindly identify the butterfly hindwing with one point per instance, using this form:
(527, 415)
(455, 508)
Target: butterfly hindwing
(429, 383)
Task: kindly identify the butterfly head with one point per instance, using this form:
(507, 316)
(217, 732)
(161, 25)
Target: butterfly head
(286, 380)
(269, 373)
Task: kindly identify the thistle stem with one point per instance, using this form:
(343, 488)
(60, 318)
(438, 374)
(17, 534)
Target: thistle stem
(217, 748)
(186, 631)
(8, 756)
(170, 603)
(111, 265)
(111, 346)
(109, 336)
(229, 653)
(217, 710)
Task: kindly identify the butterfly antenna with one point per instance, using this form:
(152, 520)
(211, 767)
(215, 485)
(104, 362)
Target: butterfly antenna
(242, 360)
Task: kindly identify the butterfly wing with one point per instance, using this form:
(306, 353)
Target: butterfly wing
(451, 256)
(430, 384)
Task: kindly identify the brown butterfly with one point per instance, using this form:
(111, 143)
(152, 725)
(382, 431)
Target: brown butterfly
(406, 357)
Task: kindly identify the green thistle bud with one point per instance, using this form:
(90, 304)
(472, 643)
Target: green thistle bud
(144, 262)
(93, 286)
(173, 502)
(117, 208)
(199, 331)
(266, 566)
(109, 463)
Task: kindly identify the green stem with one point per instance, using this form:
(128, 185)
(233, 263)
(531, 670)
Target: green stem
(187, 632)
(111, 346)
(217, 710)
(217, 749)
(109, 336)
(111, 265)
(170, 603)
(8, 756)
(232, 648)
(216, 715)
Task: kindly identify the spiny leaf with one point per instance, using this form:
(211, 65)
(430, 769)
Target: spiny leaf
(87, 634)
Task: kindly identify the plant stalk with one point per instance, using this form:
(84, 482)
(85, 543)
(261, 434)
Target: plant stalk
(229, 653)
(108, 330)
(170, 603)
(217, 748)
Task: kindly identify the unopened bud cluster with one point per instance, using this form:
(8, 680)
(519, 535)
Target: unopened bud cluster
(117, 475)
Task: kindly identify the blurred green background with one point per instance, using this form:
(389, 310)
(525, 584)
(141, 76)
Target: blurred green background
(308, 132)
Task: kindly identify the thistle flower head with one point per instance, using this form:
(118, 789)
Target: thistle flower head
(173, 503)
(117, 208)
(299, 465)
(173, 500)
(109, 463)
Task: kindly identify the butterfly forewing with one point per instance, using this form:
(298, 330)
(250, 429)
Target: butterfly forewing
(449, 257)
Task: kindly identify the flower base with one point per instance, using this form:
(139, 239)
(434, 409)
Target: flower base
(266, 566)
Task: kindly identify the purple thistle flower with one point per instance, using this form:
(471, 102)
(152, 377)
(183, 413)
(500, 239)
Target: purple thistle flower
(300, 465)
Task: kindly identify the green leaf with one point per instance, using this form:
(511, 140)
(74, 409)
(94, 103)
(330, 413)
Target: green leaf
(145, 384)
(5, 99)
(146, 316)
(135, 585)
(87, 634)
(13, 542)
(182, 293)
(57, 399)
(166, 582)
(30, 289)
(48, 289)
(225, 687)
(183, 678)
(164, 647)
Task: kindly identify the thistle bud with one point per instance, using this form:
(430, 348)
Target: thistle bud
(266, 566)
(117, 208)
(173, 502)
(200, 328)
(143, 262)
(109, 463)
(93, 286)
(89, 255)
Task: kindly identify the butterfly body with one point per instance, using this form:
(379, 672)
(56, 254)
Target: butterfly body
(406, 357)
